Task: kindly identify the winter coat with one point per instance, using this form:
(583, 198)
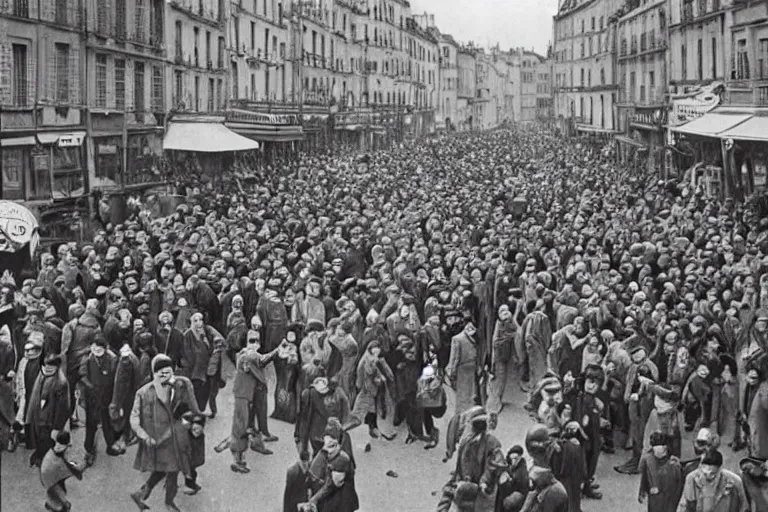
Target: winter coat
(316, 408)
(758, 423)
(98, 378)
(729, 492)
(295, 488)
(128, 380)
(197, 353)
(151, 417)
(462, 368)
(25, 378)
(85, 330)
(661, 482)
(55, 468)
(48, 404)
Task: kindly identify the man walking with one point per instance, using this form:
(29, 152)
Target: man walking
(157, 420)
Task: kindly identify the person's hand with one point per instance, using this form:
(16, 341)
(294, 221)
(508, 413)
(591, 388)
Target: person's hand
(484, 488)
(641, 498)
(11, 374)
(504, 478)
(54, 434)
(150, 442)
(644, 380)
(634, 397)
(604, 423)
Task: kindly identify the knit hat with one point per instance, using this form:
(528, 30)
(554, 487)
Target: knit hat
(161, 361)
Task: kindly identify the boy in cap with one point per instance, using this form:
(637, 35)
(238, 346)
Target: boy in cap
(97, 376)
(55, 469)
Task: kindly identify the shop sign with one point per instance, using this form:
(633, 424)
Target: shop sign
(260, 118)
(71, 141)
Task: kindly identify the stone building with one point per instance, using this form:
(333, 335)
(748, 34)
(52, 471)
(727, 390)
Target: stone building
(585, 87)
(465, 96)
(449, 81)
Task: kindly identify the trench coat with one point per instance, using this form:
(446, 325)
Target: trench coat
(151, 417)
(462, 368)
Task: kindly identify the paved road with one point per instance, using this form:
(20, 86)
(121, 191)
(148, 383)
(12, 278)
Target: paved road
(421, 473)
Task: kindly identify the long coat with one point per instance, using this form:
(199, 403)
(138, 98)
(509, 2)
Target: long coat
(480, 461)
(274, 319)
(535, 340)
(661, 481)
(295, 488)
(151, 417)
(462, 367)
(758, 423)
(128, 380)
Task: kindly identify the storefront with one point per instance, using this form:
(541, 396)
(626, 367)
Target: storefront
(47, 166)
(646, 125)
(730, 150)
(350, 129)
(276, 133)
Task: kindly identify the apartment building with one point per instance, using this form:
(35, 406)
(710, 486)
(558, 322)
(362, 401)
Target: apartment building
(465, 96)
(449, 81)
(42, 114)
(585, 86)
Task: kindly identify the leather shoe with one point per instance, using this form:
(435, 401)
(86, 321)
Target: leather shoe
(262, 450)
(138, 499)
(239, 468)
(592, 494)
(269, 438)
(171, 507)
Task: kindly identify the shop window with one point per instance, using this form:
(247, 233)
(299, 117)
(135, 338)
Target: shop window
(67, 171)
(15, 161)
(108, 160)
(39, 186)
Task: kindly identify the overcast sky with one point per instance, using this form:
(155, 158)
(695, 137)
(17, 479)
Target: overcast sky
(512, 23)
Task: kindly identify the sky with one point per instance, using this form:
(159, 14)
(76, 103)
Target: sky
(512, 23)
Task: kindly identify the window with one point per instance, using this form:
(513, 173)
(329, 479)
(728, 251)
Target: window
(15, 161)
(235, 81)
(20, 75)
(590, 46)
(601, 23)
(211, 94)
(208, 56)
(282, 50)
(762, 62)
(221, 53)
(178, 40)
(119, 84)
(632, 82)
(582, 26)
(178, 79)
(157, 89)
(220, 100)
(741, 71)
(236, 26)
(120, 19)
(253, 37)
(253, 86)
(197, 93)
(62, 73)
(714, 57)
(197, 46)
(20, 9)
(138, 20)
(589, 78)
(593, 23)
(602, 76)
(138, 86)
(684, 62)
(582, 77)
(700, 59)
(101, 81)
(582, 49)
(61, 12)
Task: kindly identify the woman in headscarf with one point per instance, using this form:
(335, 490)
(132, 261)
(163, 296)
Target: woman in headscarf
(287, 372)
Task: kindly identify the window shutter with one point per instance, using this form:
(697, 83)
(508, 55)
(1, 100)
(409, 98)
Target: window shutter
(6, 65)
(74, 76)
(31, 74)
(49, 92)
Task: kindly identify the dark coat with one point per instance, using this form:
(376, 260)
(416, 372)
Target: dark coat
(48, 404)
(171, 343)
(128, 380)
(296, 488)
(196, 354)
(98, 378)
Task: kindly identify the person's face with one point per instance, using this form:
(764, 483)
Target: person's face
(330, 445)
(709, 471)
(405, 311)
(338, 478)
(376, 352)
(290, 337)
(138, 325)
(165, 375)
(639, 356)
(591, 386)
(660, 451)
(197, 321)
(50, 369)
(132, 286)
(513, 459)
(127, 262)
(32, 353)
(713, 345)
(752, 377)
(97, 350)
(761, 325)
(290, 297)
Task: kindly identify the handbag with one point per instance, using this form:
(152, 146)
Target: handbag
(430, 393)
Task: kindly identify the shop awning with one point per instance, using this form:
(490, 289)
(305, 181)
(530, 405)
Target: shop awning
(18, 141)
(205, 137)
(711, 125)
(268, 133)
(629, 141)
(755, 128)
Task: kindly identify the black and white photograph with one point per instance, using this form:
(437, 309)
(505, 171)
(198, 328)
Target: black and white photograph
(384, 255)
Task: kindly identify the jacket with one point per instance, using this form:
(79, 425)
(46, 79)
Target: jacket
(83, 332)
(48, 404)
(98, 378)
(151, 417)
(729, 493)
(196, 353)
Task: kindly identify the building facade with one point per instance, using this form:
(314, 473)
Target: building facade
(449, 81)
(585, 88)
(43, 111)
(467, 87)
(643, 77)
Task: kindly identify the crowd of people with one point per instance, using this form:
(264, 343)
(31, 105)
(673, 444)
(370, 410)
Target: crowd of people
(629, 309)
